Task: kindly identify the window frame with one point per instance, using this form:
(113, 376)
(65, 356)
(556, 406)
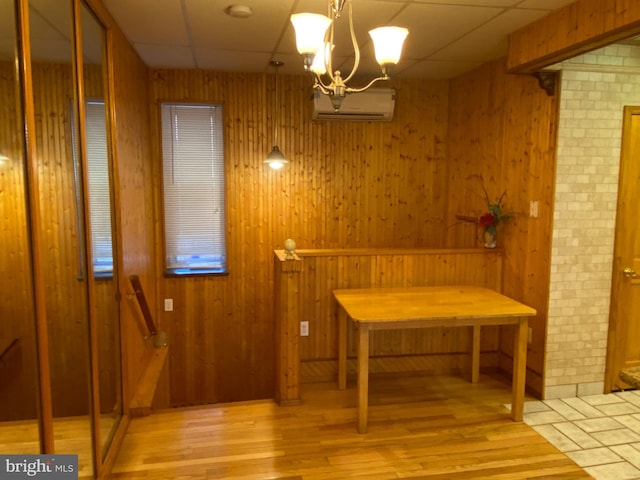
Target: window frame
(188, 271)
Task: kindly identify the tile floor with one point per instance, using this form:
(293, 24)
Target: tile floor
(601, 433)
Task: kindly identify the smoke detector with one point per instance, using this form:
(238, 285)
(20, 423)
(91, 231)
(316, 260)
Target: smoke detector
(239, 11)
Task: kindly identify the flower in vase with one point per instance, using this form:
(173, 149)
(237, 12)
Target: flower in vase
(494, 214)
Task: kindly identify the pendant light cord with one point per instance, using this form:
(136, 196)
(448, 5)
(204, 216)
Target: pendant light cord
(276, 64)
(276, 126)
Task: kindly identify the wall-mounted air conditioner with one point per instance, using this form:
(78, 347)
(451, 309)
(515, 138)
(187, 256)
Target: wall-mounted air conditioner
(375, 104)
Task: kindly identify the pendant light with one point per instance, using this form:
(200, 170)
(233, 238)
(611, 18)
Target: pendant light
(276, 159)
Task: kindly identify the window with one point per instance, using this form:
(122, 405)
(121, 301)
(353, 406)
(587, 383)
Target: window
(98, 187)
(99, 193)
(193, 172)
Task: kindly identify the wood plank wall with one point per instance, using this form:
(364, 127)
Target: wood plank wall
(18, 369)
(503, 128)
(64, 275)
(134, 200)
(347, 185)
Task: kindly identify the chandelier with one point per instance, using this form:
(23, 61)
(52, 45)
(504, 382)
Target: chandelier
(314, 40)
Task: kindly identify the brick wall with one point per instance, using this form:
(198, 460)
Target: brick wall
(595, 87)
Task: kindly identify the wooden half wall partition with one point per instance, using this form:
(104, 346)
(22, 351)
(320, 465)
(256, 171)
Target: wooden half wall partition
(303, 291)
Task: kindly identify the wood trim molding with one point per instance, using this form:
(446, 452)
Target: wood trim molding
(579, 27)
(359, 252)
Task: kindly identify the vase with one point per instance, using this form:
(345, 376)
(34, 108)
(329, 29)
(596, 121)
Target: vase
(489, 239)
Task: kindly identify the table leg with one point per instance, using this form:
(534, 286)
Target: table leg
(475, 354)
(519, 369)
(342, 348)
(363, 377)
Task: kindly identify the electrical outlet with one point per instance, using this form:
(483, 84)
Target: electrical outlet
(304, 328)
(168, 304)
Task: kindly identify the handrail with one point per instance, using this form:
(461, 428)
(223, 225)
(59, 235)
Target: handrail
(144, 306)
(8, 348)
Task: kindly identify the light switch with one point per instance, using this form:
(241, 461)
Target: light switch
(168, 304)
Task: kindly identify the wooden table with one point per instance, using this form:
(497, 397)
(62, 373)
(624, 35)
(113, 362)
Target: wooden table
(425, 307)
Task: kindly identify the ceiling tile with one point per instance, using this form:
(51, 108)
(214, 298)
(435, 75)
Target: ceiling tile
(440, 25)
(150, 21)
(166, 56)
(229, 60)
(488, 41)
(545, 4)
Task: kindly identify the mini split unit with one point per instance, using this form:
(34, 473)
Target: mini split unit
(375, 104)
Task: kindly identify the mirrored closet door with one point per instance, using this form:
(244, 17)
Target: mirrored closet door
(19, 412)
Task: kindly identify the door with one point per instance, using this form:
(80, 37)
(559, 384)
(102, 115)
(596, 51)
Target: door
(624, 322)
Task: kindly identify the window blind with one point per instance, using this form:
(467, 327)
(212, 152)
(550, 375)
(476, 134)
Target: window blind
(99, 190)
(193, 172)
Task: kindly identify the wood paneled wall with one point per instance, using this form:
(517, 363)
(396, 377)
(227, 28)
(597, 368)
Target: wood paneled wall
(134, 200)
(503, 129)
(64, 273)
(18, 370)
(347, 185)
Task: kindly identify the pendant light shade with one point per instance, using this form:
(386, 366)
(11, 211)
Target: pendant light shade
(276, 159)
(311, 29)
(387, 44)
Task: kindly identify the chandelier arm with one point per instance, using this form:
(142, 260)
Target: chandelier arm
(328, 53)
(356, 49)
(320, 85)
(362, 89)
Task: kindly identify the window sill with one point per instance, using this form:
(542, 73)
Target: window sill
(194, 272)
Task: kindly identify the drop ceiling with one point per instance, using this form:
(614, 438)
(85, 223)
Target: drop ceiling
(446, 39)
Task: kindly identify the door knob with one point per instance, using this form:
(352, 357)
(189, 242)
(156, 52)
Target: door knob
(629, 273)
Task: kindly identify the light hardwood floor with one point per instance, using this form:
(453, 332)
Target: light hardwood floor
(440, 427)
(72, 435)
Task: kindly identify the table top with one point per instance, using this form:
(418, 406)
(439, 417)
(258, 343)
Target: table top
(452, 302)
